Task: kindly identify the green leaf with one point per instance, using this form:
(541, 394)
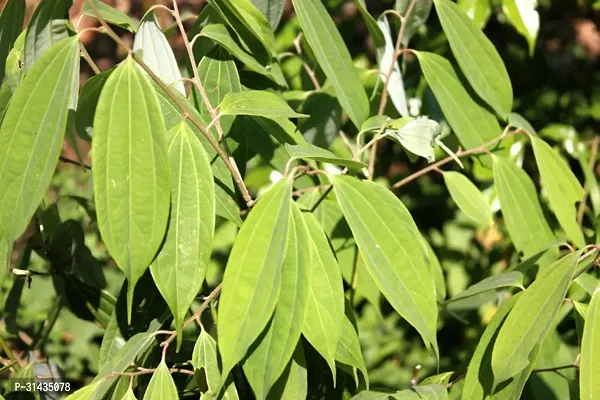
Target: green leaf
(251, 283)
(525, 19)
(477, 57)
(468, 198)
(369, 395)
(274, 348)
(112, 341)
(333, 57)
(518, 121)
(562, 187)
(31, 134)
(323, 125)
(587, 283)
(226, 205)
(48, 26)
(472, 123)
(589, 364)
(86, 106)
(6, 247)
(129, 395)
(417, 136)
(418, 16)
(442, 378)
(132, 193)
(11, 25)
(271, 9)
(324, 317)
(348, 349)
(311, 152)
(83, 393)
(179, 268)
(110, 15)
(161, 384)
(508, 279)
(372, 27)
(521, 208)
(531, 318)
(204, 357)
(436, 272)
(385, 58)
(478, 10)
(220, 34)
(479, 380)
(293, 383)
(251, 26)
(156, 52)
(257, 102)
(429, 392)
(14, 65)
(390, 244)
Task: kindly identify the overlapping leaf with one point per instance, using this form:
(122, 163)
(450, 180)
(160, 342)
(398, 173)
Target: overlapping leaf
(251, 283)
(257, 102)
(293, 384)
(110, 15)
(590, 351)
(389, 242)
(310, 152)
(179, 268)
(348, 349)
(333, 57)
(509, 279)
(271, 9)
(562, 187)
(11, 24)
(478, 58)
(161, 385)
(468, 198)
(385, 58)
(274, 348)
(87, 102)
(31, 134)
(525, 19)
(131, 171)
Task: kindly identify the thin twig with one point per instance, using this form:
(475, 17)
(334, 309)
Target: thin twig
(586, 187)
(460, 153)
(69, 161)
(86, 57)
(554, 369)
(307, 68)
(213, 142)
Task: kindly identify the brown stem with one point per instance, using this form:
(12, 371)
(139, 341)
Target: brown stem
(213, 142)
(460, 153)
(586, 187)
(307, 68)
(86, 57)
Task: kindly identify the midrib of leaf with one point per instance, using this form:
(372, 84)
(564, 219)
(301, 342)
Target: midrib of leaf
(514, 200)
(377, 270)
(175, 275)
(463, 116)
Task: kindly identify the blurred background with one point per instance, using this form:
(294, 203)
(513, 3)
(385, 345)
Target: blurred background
(557, 89)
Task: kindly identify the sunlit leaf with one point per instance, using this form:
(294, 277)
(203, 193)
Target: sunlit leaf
(47, 26)
(530, 319)
(468, 198)
(251, 283)
(161, 385)
(382, 226)
(256, 102)
(179, 268)
(436, 272)
(508, 279)
(129, 395)
(417, 136)
(293, 383)
(274, 348)
(472, 123)
(348, 349)
(84, 393)
(478, 10)
(110, 15)
(518, 121)
(31, 134)
(112, 341)
(11, 25)
(385, 59)
(156, 52)
(311, 152)
(477, 57)
(521, 208)
(562, 187)
(525, 19)
(333, 57)
(589, 365)
(324, 316)
(131, 171)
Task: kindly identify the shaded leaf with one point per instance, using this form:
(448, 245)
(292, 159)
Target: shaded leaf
(311, 152)
(11, 25)
(271, 9)
(23, 176)
(129, 395)
(324, 123)
(256, 102)
(132, 193)
(86, 106)
(508, 279)
(589, 365)
(372, 26)
(112, 341)
(472, 123)
(293, 383)
(333, 57)
(436, 272)
(251, 283)
(161, 385)
(417, 17)
(562, 187)
(47, 26)
(382, 226)
(274, 348)
(468, 198)
(531, 318)
(521, 208)
(110, 15)
(180, 266)
(477, 57)
(156, 52)
(348, 349)
(526, 20)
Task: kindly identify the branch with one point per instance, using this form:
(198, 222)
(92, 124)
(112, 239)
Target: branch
(69, 161)
(213, 142)
(460, 153)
